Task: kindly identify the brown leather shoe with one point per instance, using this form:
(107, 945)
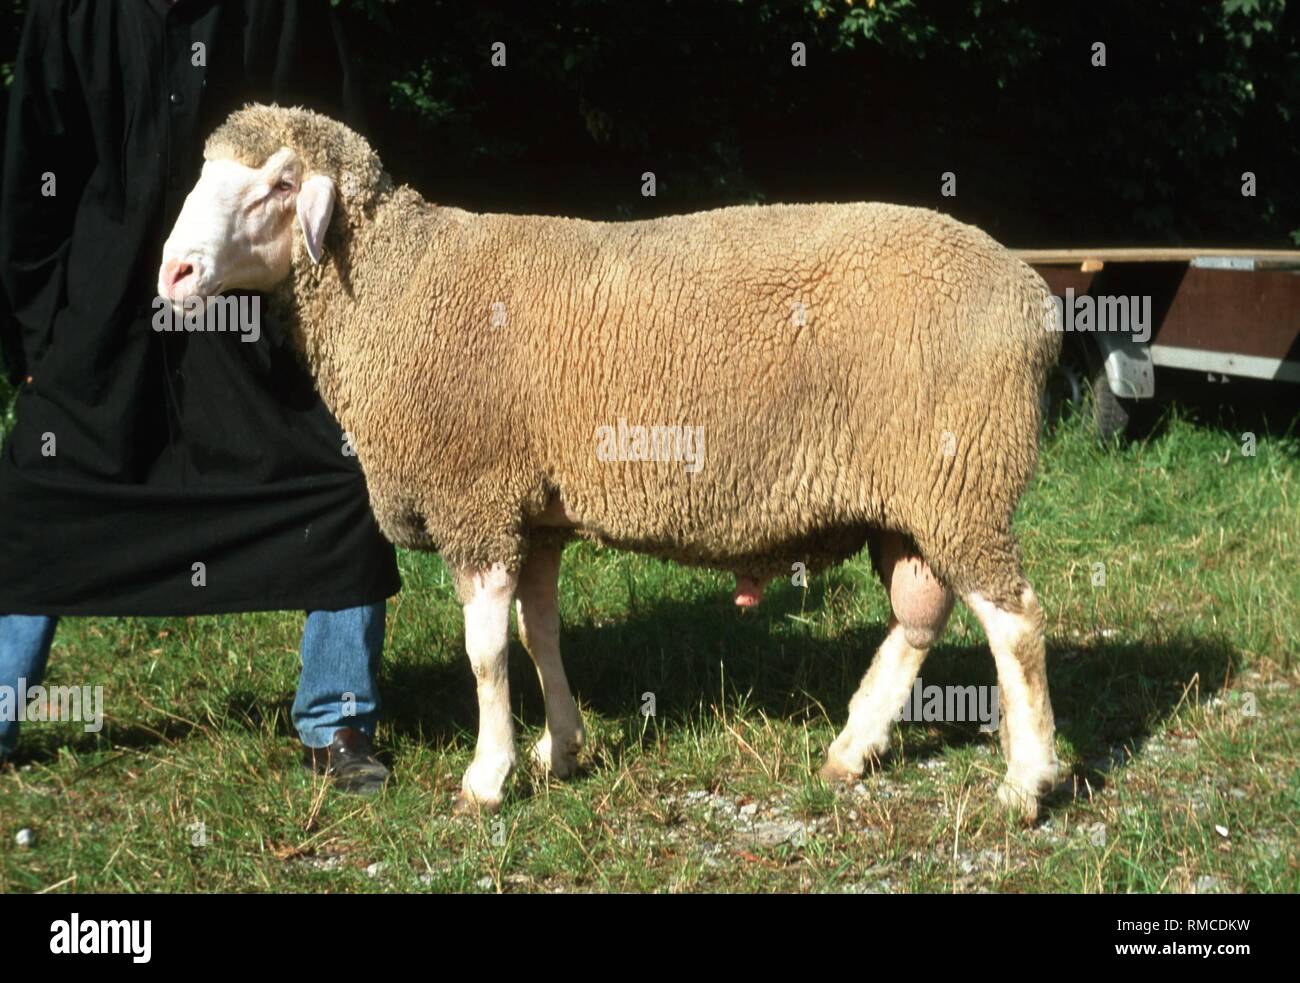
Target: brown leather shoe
(349, 761)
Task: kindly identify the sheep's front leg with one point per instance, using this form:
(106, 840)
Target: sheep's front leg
(486, 596)
(537, 606)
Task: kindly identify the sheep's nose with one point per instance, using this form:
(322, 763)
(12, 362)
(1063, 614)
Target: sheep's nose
(178, 278)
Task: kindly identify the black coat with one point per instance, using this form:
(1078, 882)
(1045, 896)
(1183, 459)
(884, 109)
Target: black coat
(171, 450)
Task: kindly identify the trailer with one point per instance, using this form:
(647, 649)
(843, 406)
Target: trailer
(1225, 313)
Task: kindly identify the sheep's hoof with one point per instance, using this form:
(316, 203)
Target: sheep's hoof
(484, 783)
(834, 773)
(469, 805)
(1019, 796)
(1017, 802)
(846, 761)
(558, 759)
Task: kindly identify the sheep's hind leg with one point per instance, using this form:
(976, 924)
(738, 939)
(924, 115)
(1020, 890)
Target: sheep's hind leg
(537, 607)
(921, 605)
(874, 706)
(1015, 634)
(486, 596)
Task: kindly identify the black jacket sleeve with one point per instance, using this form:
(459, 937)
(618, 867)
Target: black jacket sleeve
(45, 150)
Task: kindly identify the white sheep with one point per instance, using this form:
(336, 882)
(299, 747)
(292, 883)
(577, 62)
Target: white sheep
(845, 375)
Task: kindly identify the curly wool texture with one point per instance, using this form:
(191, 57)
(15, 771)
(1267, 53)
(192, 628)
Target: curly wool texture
(854, 367)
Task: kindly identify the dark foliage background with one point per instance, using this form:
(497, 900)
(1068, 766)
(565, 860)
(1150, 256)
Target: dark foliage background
(1047, 149)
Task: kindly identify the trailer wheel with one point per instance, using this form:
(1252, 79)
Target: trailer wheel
(1079, 380)
(1112, 416)
(1067, 385)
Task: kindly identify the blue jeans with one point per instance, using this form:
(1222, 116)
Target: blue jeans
(340, 657)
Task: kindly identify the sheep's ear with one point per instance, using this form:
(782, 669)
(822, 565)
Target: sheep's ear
(315, 205)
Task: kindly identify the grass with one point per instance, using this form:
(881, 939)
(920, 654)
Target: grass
(1175, 687)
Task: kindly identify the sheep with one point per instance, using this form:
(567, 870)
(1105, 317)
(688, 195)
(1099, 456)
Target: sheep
(856, 374)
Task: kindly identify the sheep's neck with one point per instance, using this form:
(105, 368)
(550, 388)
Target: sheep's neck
(333, 308)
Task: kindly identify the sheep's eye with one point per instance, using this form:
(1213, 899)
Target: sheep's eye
(283, 186)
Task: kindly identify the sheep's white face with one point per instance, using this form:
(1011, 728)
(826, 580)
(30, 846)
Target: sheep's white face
(235, 230)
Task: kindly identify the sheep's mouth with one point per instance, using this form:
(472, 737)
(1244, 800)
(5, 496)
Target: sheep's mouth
(190, 297)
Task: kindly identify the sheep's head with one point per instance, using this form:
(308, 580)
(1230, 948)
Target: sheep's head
(272, 180)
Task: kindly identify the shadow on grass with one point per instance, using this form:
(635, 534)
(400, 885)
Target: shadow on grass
(1270, 410)
(127, 736)
(1108, 695)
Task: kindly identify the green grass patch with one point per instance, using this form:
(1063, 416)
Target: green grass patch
(1173, 672)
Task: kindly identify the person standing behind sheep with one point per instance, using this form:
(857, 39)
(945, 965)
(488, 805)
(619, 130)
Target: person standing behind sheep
(170, 473)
